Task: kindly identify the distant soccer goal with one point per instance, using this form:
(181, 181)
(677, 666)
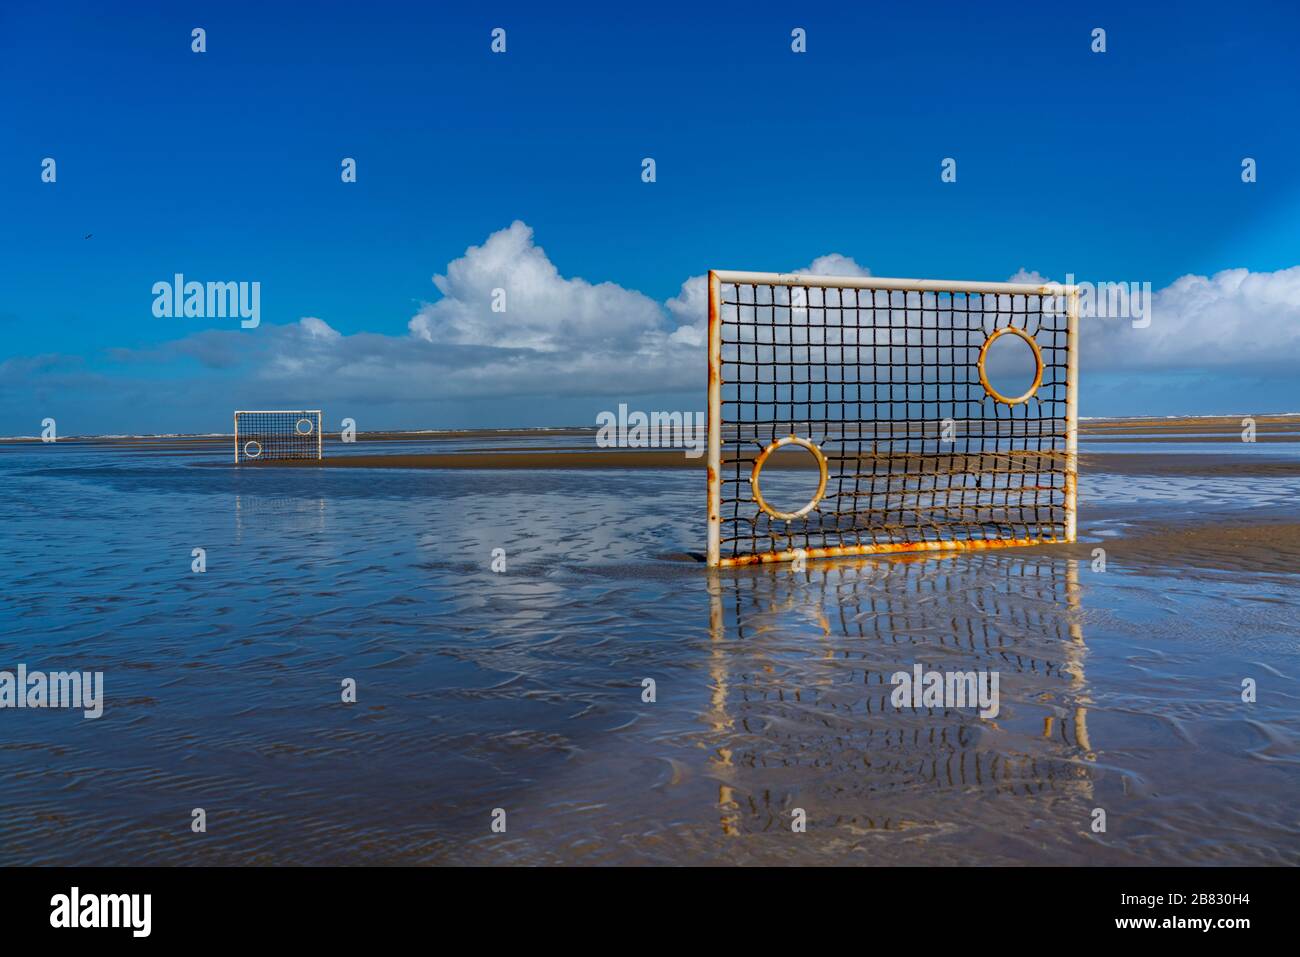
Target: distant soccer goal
(874, 409)
(264, 436)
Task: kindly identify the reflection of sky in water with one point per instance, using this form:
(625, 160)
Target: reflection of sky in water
(1105, 491)
(522, 690)
(1266, 450)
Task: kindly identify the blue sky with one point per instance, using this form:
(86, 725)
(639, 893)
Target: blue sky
(225, 166)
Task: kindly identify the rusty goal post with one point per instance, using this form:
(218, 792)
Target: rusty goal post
(883, 386)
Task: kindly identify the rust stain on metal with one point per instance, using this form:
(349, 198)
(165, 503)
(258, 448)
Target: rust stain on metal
(886, 548)
(713, 548)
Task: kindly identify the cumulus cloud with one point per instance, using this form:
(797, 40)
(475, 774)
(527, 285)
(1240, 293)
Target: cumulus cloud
(1249, 321)
(565, 335)
(317, 328)
(833, 264)
(555, 328)
(544, 311)
(689, 309)
(1235, 317)
(1029, 275)
(566, 338)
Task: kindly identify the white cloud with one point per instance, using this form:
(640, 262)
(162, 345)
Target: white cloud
(1029, 275)
(544, 311)
(613, 339)
(1236, 318)
(317, 328)
(565, 339)
(834, 264)
(690, 307)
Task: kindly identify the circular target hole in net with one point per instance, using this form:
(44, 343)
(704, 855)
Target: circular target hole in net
(252, 449)
(789, 478)
(1010, 365)
(304, 426)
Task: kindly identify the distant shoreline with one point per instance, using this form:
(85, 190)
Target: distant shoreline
(1258, 541)
(1115, 463)
(1225, 425)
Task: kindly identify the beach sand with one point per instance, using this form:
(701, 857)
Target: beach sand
(522, 690)
(1264, 543)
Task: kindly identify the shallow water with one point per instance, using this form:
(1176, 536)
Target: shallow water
(523, 690)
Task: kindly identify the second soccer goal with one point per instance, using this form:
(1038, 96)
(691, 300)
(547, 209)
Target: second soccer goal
(851, 416)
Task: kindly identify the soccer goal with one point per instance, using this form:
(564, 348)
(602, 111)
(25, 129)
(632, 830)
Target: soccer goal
(263, 436)
(849, 416)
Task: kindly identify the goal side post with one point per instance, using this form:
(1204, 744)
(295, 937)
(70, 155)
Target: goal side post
(715, 425)
(1072, 418)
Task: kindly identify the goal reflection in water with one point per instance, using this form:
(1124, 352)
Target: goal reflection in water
(822, 734)
(264, 515)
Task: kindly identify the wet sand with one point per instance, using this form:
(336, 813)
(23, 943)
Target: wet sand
(1203, 542)
(1225, 424)
(1120, 463)
(1263, 548)
(1285, 428)
(522, 689)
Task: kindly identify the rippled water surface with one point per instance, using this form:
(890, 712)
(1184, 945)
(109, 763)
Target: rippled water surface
(523, 690)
